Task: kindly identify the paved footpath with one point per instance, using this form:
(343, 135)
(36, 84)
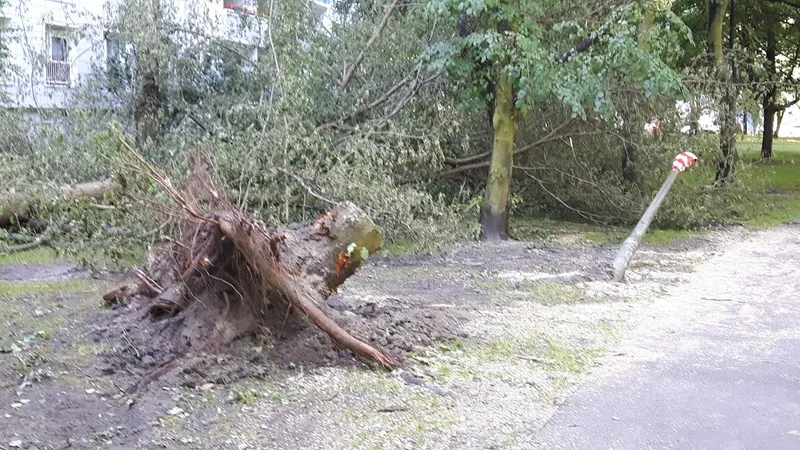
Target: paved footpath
(715, 364)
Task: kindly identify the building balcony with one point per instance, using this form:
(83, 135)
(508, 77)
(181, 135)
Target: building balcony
(241, 6)
(57, 73)
(243, 23)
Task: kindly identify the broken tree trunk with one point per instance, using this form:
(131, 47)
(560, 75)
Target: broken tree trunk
(311, 263)
(18, 205)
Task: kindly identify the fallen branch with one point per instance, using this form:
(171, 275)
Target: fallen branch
(305, 186)
(22, 247)
(347, 75)
(552, 135)
(17, 205)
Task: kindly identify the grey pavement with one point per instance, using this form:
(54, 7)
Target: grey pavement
(714, 364)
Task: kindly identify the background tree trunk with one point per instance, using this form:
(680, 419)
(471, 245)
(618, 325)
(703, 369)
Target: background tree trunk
(148, 108)
(633, 126)
(630, 157)
(150, 99)
(778, 125)
(716, 21)
(726, 165)
(770, 96)
(495, 210)
(767, 134)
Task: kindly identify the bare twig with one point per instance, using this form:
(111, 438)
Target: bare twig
(151, 284)
(584, 214)
(716, 299)
(308, 189)
(348, 72)
(550, 136)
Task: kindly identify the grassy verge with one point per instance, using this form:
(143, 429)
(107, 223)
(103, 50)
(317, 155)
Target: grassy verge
(769, 191)
(96, 257)
(765, 194)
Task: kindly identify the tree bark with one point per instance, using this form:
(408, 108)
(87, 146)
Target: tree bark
(778, 124)
(770, 96)
(632, 128)
(495, 210)
(308, 268)
(630, 162)
(767, 135)
(147, 111)
(149, 97)
(17, 206)
(716, 22)
(726, 165)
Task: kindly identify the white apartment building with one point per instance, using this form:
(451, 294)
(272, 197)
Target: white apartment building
(54, 44)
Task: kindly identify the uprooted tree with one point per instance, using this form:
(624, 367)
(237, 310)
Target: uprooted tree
(226, 275)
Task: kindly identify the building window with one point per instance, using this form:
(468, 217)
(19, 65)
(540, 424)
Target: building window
(58, 65)
(118, 66)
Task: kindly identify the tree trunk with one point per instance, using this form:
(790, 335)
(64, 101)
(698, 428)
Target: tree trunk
(17, 206)
(716, 22)
(311, 263)
(632, 127)
(630, 159)
(694, 117)
(744, 124)
(771, 95)
(727, 141)
(148, 109)
(149, 98)
(726, 165)
(495, 210)
(767, 134)
(778, 125)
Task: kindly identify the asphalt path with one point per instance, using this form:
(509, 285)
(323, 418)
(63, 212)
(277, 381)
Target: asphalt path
(714, 364)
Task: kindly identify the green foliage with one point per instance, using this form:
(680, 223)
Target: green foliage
(536, 45)
(287, 136)
(281, 131)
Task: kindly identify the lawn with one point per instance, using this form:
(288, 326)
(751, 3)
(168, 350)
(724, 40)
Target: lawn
(770, 192)
(764, 195)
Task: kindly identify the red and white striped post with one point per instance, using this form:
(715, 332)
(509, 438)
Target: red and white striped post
(628, 247)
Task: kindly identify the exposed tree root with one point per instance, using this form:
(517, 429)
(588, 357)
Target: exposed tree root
(225, 275)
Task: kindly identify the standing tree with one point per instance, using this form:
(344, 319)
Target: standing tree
(632, 125)
(513, 55)
(726, 74)
(767, 48)
(780, 40)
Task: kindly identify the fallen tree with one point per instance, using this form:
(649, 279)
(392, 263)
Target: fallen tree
(17, 206)
(225, 275)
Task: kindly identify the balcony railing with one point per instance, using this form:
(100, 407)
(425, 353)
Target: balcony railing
(240, 8)
(58, 73)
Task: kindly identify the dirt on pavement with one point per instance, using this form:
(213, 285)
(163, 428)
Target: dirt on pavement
(493, 337)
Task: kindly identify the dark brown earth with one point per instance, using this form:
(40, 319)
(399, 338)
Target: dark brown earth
(68, 363)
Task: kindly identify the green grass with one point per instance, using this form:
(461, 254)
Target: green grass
(95, 256)
(547, 229)
(552, 293)
(39, 255)
(17, 289)
(764, 195)
(769, 192)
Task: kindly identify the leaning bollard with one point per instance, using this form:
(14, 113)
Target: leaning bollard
(628, 248)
